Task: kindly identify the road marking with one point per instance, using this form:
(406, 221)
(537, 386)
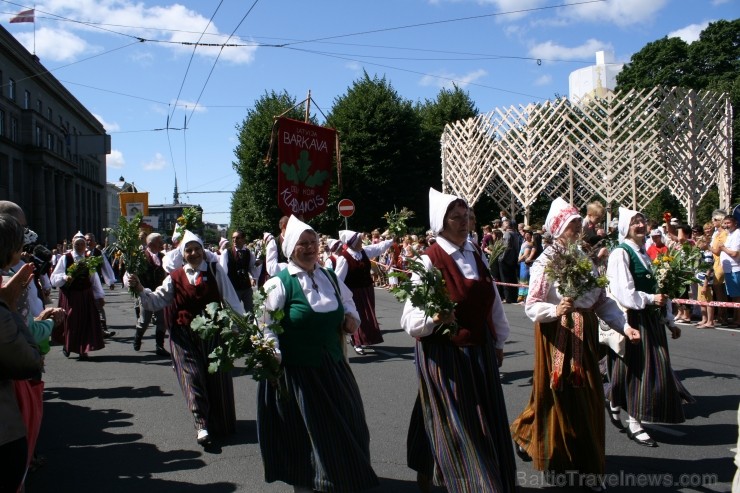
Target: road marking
(727, 329)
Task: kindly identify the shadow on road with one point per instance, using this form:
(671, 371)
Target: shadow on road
(82, 456)
(81, 394)
(706, 405)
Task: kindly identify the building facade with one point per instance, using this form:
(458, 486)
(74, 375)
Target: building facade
(52, 149)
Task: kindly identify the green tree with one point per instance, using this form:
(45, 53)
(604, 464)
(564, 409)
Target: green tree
(379, 134)
(254, 203)
(449, 106)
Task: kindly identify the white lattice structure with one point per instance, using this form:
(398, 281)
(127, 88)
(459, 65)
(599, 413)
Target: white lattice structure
(624, 148)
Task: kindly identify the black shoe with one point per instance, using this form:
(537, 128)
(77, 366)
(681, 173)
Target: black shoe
(107, 334)
(645, 442)
(84, 357)
(359, 350)
(161, 351)
(137, 338)
(614, 416)
(523, 455)
(65, 353)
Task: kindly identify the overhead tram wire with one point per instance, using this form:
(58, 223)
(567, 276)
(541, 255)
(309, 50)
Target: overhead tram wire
(444, 21)
(177, 100)
(213, 67)
(418, 73)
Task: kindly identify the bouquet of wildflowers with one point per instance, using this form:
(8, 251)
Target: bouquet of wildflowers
(676, 269)
(242, 337)
(574, 271)
(191, 220)
(84, 267)
(496, 247)
(128, 244)
(429, 294)
(397, 221)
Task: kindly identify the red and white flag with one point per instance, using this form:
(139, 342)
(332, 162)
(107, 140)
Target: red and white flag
(23, 16)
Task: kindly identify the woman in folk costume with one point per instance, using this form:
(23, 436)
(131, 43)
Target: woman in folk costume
(354, 268)
(562, 427)
(331, 259)
(643, 381)
(210, 397)
(315, 437)
(458, 434)
(82, 332)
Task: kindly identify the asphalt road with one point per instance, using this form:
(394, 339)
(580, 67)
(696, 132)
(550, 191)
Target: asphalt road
(118, 423)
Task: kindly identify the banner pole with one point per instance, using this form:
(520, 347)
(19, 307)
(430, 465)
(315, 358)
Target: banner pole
(308, 105)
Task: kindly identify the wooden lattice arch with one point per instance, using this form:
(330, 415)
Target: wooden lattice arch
(625, 148)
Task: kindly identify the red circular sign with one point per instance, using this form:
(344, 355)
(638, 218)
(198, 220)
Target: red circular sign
(346, 207)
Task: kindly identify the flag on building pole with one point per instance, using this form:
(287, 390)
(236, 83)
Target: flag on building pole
(23, 16)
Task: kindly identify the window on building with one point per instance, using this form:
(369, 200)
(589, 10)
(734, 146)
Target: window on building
(27, 100)
(13, 129)
(50, 141)
(2, 123)
(38, 136)
(39, 107)
(49, 114)
(11, 89)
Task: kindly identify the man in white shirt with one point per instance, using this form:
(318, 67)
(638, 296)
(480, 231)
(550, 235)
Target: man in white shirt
(729, 255)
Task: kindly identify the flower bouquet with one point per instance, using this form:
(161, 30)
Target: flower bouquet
(676, 269)
(496, 247)
(428, 294)
(574, 271)
(397, 221)
(84, 267)
(191, 220)
(242, 338)
(128, 244)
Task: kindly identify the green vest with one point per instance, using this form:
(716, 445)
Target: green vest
(644, 278)
(308, 334)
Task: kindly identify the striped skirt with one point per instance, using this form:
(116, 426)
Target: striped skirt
(209, 396)
(316, 436)
(369, 331)
(643, 382)
(563, 430)
(458, 433)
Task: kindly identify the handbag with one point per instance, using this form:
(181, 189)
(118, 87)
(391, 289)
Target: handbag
(612, 339)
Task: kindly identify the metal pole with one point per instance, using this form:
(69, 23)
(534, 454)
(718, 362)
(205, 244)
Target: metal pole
(308, 106)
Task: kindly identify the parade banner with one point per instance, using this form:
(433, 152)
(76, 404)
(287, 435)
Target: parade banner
(133, 203)
(305, 155)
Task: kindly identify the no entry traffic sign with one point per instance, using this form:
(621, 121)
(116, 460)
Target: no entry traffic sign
(346, 207)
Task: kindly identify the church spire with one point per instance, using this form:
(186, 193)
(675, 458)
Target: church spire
(176, 195)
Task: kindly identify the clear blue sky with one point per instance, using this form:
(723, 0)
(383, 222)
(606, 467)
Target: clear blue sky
(490, 48)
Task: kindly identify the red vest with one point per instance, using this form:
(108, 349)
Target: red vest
(358, 271)
(191, 300)
(474, 298)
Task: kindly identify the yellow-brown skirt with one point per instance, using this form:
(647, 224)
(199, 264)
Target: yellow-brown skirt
(563, 430)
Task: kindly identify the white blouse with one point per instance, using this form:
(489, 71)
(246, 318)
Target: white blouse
(322, 299)
(621, 282)
(59, 276)
(164, 295)
(543, 297)
(371, 251)
(417, 324)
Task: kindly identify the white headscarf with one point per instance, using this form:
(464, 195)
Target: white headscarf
(293, 232)
(438, 204)
(348, 237)
(78, 236)
(625, 218)
(187, 238)
(333, 244)
(560, 215)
